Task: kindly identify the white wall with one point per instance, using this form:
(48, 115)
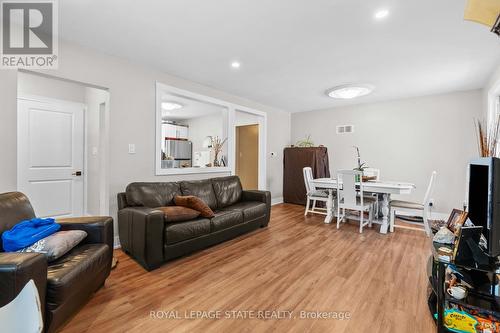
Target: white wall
(407, 139)
(492, 86)
(201, 127)
(244, 118)
(30, 84)
(132, 118)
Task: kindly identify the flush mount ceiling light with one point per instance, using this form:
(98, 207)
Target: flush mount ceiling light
(381, 14)
(235, 64)
(170, 106)
(486, 12)
(349, 91)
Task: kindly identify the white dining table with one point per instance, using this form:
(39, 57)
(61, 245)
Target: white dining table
(385, 188)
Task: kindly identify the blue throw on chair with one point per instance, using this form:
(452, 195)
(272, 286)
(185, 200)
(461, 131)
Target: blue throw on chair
(28, 232)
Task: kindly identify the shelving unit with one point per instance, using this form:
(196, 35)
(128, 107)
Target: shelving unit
(483, 298)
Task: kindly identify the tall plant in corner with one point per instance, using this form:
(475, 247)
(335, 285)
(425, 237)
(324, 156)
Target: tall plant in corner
(487, 138)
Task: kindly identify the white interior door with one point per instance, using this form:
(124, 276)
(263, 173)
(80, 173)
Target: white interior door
(51, 156)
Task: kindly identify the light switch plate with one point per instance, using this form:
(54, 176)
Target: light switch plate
(131, 148)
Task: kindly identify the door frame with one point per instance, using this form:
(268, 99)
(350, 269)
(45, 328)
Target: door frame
(262, 123)
(104, 189)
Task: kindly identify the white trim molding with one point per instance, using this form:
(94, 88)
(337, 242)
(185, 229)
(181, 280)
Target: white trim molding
(262, 123)
(229, 121)
(229, 130)
(116, 243)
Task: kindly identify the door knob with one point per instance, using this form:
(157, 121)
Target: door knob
(77, 173)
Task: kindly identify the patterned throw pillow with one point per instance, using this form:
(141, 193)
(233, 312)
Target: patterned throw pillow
(195, 203)
(57, 244)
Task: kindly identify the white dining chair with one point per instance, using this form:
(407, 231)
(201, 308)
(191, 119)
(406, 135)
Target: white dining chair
(313, 194)
(23, 313)
(419, 209)
(351, 198)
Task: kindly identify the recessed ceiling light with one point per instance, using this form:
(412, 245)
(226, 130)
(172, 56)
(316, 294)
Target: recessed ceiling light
(235, 64)
(349, 91)
(170, 106)
(381, 14)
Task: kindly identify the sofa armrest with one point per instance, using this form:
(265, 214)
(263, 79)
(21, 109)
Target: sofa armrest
(122, 200)
(262, 196)
(99, 229)
(141, 234)
(17, 269)
(254, 195)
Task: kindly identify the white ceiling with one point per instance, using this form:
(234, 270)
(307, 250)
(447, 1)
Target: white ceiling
(291, 51)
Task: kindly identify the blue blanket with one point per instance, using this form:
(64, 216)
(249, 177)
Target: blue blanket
(28, 232)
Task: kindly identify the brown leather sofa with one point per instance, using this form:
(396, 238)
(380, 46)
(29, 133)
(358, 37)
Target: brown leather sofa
(63, 285)
(146, 237)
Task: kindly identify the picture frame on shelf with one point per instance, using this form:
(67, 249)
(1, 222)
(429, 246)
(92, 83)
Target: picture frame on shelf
(456, 220)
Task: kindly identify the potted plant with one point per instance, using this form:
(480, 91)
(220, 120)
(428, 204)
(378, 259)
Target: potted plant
(361, 166)
(217, 145)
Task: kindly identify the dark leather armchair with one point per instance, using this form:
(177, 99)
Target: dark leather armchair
(65, 284)
(149, 239)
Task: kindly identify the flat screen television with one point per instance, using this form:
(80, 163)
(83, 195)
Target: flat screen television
(484, 200)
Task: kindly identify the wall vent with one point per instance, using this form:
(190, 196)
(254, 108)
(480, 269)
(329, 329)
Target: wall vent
(345, 129)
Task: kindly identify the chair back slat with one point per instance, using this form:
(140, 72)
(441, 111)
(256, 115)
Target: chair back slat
(346, 188)
(430, 189)
(308, 177)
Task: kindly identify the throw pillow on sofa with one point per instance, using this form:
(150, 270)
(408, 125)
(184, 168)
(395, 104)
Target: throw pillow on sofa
(57, 244)
(178, 213)
(195, 203)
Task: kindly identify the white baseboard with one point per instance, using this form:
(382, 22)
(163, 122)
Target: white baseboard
(275, 201)
(433, 215)
(116, 244)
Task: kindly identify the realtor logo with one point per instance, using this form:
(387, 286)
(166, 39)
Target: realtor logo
(29, 34)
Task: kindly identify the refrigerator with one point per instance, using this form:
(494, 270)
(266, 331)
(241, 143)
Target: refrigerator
(178, 154)
(294, 160)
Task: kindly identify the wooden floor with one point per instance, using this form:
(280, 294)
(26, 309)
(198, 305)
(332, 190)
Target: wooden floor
(296, 264)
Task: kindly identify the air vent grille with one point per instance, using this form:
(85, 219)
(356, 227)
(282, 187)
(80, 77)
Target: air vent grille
(344, 129)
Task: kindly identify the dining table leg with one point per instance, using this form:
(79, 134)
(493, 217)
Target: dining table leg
(329, 207)
(385, 213)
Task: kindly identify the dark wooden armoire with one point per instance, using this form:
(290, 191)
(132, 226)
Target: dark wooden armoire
(294, 160)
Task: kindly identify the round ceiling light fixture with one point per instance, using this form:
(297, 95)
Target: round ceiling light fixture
(236, 64)
(381, 14)
(349, 91)
(170, 106)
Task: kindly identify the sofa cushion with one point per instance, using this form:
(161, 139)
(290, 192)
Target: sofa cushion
(178, 232)
(202, 189)
(226, 219)
(152, 194)
(75, 272)
(190, 201)
(227, 190)
(178, 213)
(250, 209)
